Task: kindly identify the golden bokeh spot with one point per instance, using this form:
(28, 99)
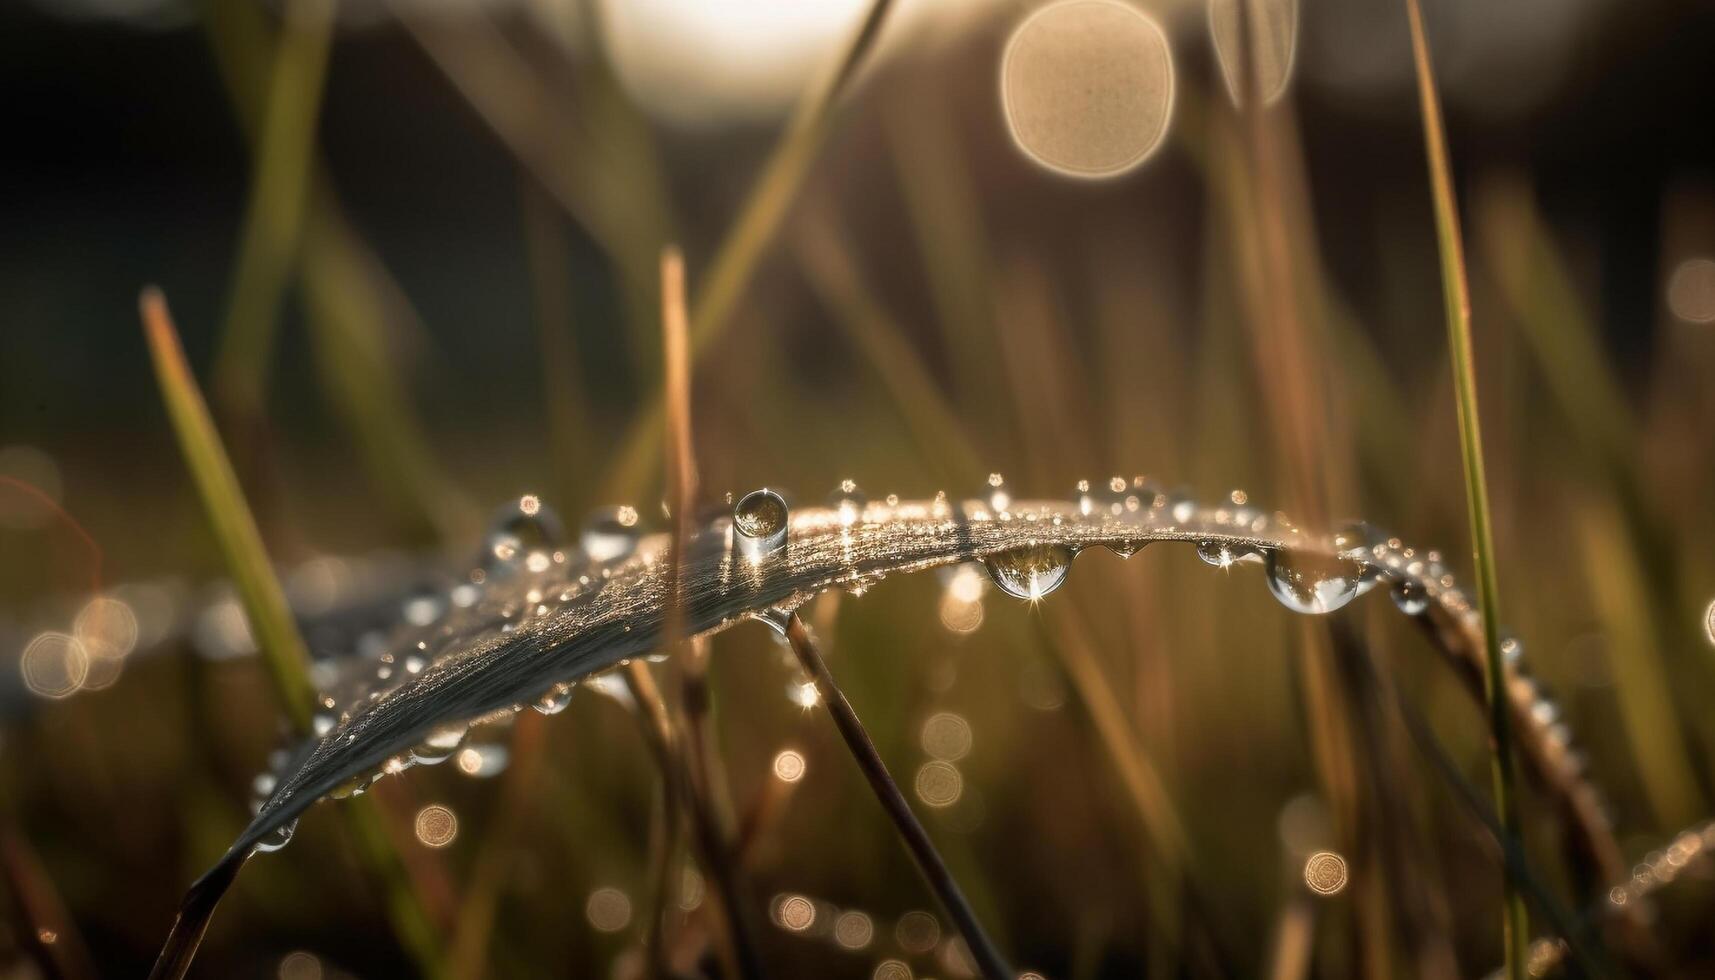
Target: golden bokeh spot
(939, 783)
(436, 825)
(1087, 87)
(300, 965)
(1691, 291)
(795, 912)
(946, 736)
(54, 665)
(917, 932)
(789, 766)
(1325, 873)
(608, 909)
(853, 930)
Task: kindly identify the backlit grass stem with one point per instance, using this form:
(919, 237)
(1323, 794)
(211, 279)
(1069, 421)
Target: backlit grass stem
(1456, 296)
(863, 751)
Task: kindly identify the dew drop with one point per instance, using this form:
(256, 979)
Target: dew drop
(277, 838)
(517, 528)
(1226, 554)
(1030, 572)
(847, 502)
(1512, 651)
(1311, 583)
(1125, 549)
(610, 533)
(439, 744)
(554, 700)
(761, 520)
(1410, 596)
(355, 786)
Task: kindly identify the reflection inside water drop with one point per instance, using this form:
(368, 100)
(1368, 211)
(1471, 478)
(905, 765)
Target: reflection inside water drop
(1311, 583)
(761, 519)
(1030, 572)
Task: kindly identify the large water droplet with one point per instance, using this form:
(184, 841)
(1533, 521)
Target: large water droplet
(847, 502)
(439, 744)
(554, 700)
(1030, 572)
(518, 528)
(1311, 583)
(761, 519)
(1410, 596)
(610, 533)
(277, 838)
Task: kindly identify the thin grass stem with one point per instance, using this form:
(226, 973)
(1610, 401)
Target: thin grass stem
(929, 862)
(1456, 296)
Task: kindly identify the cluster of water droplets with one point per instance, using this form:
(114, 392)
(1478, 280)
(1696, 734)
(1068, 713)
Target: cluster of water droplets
(526, 572)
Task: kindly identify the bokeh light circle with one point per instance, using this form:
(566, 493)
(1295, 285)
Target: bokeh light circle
(1087, 87)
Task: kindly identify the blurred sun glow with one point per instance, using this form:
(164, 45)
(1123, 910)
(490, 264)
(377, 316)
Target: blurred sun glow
(1087, 87)
(697, 61)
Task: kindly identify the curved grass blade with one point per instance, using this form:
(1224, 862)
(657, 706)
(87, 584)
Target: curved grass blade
(538, 625)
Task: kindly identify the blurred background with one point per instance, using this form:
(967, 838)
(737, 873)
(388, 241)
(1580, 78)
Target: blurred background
(411, 248)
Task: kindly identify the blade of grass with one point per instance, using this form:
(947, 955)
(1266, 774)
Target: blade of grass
(281, 647)
(929, 862)
(343, 279)
(683, 760)
(283, 156)
(1515, 923)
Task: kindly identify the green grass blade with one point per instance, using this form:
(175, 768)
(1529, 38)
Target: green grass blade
(281, 647)
(284, 154)
(1456, 296)
(235, 532)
